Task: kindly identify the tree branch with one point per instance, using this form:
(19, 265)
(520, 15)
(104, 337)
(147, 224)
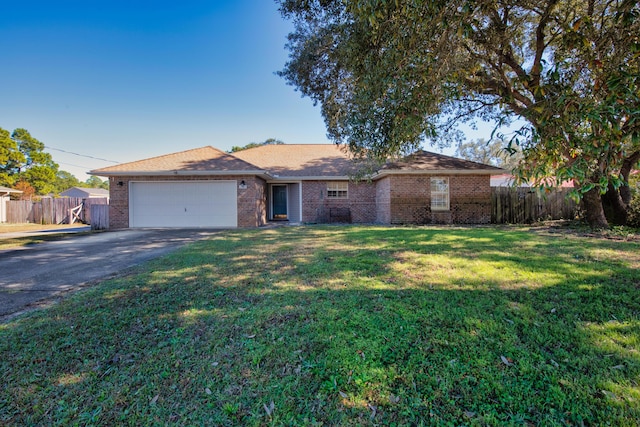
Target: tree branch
(536, 69)
(504, 50)
(489, 86)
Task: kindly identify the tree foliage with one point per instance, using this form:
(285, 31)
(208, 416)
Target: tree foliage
(23, 159)
(95, 182)
(25, 164)
(389, 75)
(634, 205)
(10, 158)
(269, 141)
(489, 153)
(27, 190)
(64, 181)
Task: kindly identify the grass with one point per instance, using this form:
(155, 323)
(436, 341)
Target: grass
(15, 242)
(342, 326)
(15, 228)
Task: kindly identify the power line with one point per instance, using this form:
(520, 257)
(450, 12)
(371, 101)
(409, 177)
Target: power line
(81, 155)
(75, 166)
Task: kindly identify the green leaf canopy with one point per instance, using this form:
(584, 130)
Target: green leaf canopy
(390, 75)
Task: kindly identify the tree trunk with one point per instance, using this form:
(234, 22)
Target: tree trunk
(614, 207)
(625, 172)
(616, 202)
(593, 209)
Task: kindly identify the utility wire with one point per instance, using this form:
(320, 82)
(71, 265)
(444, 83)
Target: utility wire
(81, 155)
(75, 166)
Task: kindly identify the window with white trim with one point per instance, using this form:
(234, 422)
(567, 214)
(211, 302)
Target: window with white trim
(338, 190)
(439, 194)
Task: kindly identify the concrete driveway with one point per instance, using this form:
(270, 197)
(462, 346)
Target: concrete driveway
(36, 274)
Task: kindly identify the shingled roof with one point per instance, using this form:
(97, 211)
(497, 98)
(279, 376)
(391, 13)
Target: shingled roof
(425, 161)
(288, 161)
(198, 160)
(300, 160)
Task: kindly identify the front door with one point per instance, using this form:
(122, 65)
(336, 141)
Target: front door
(279, 201)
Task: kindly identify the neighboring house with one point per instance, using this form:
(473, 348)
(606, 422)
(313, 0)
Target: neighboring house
(503, 180)
(206, 187)
(508, 180)
(86, 193)
(5, 194)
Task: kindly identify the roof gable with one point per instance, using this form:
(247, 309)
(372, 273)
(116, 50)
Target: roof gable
(204, 159)
(426, 161)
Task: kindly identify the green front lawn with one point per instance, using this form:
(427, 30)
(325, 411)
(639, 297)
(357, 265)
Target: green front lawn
(342, 326)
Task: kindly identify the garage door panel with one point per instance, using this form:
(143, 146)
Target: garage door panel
(183, 204)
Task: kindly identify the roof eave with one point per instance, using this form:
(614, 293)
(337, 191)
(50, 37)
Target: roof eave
(261, 173)
(383, 173)
(281, 178)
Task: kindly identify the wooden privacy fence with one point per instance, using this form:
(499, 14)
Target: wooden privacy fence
(99, 217)
(52, 211)
(523, 205)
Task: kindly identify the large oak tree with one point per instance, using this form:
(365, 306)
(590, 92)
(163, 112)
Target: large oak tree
(391, 74)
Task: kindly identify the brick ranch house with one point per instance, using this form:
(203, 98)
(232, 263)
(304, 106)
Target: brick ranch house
(206, 187)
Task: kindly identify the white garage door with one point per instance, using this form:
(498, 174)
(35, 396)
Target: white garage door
(183, 204)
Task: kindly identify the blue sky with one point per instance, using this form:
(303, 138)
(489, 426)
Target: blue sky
(127, 80)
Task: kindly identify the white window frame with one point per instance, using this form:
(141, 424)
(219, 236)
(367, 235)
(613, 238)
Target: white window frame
(440, 193)
(337, 190)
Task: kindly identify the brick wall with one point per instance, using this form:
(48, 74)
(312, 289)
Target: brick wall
(251, 201)
(317, 208)
(470, 199)
(410, 200)
(394, 199)
(119, 202)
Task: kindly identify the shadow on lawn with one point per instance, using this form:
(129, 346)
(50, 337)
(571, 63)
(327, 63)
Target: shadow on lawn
(341, 326)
